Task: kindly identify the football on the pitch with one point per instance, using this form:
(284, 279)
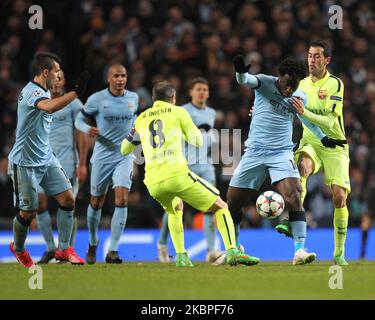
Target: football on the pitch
(270, 204)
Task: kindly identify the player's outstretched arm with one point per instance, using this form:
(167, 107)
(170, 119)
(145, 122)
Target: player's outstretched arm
(53, 105)
(242, 75)
(316, 130)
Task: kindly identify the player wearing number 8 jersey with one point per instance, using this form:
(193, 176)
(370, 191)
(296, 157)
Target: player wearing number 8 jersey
(160, 130)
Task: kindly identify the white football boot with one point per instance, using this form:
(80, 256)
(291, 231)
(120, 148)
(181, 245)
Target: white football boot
(223, 258)
(303, 257)
(163, 253)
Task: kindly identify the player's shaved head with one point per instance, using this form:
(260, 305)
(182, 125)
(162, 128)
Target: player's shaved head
(117, 78)
(116, 68)
(164, 91)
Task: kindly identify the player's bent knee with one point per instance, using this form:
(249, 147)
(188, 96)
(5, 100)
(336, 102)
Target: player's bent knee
(121, 203)
(25, 217)
(339, 200)
(293, 198)
(96, 202)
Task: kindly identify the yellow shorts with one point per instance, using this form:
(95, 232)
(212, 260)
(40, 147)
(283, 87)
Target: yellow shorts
(190, 188)
(334, 163)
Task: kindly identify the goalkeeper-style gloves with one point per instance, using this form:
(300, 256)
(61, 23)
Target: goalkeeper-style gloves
(81, 83)
(332, 143)
(239, 64)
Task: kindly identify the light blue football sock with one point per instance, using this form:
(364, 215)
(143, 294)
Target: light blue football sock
(117, 227)
(64, 227)
(237, 227)
(297, 221)
(45, 227)
(93, 221)
(164, 231)
(209, 230)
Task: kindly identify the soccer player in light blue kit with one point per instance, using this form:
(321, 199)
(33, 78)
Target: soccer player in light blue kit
(32, 162)
(64, 140)
(200, 162)
(269, 147)
(114, 110)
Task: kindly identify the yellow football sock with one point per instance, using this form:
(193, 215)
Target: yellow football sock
(304, 190)
(176, 229)
(340, 223)
(226, 228)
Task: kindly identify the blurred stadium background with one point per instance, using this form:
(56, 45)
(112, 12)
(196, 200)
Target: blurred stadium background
(178, 40)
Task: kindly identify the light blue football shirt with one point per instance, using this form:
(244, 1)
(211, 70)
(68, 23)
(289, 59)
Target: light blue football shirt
(62, 135)
(201, 117)
(115, 117)
(32, 148)
(271, 126)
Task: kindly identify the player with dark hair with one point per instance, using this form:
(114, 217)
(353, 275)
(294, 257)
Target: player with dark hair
(160, 130)
(64, 140)
(324, 107)
(200, 163)
(269, 147)
(32, 162)
(114, 110)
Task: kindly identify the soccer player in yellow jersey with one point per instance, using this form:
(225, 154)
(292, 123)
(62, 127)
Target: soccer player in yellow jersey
(324, 108)
(160, 130)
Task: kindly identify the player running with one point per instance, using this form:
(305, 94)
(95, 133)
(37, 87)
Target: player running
(200, 162)
(114, 110)
(269, 147)
(324, 108)
(32, 162)
(63, 139)
(160, 130)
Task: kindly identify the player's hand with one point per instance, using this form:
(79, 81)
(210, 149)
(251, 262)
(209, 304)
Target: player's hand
(205, 127)
(81, 173)
(81, 83)
(239, 64)
(332, 143)
(93, 132)
(298, 105)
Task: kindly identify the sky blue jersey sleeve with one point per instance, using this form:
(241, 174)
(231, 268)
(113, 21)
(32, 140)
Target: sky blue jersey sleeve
(90, 109)
(248, 79)
(312, 127)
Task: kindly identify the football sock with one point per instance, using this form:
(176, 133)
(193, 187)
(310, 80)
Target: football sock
(237, 227)
(163, 239)
(74, 232)
(226, 228)
(297, 221)
(304, 189)
(20, 230)
(176, 229)
(340, 223)
(209, 230)
(45, 227)
(364, 243)
(64, 227)
(117, 227)
(93, 220)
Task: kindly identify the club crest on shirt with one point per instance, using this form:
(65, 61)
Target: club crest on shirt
(131, 106)
(322, 94)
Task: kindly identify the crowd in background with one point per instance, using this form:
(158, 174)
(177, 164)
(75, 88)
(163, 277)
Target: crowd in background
(179, 40)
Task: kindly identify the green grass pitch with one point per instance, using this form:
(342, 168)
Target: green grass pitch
(152, 280)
